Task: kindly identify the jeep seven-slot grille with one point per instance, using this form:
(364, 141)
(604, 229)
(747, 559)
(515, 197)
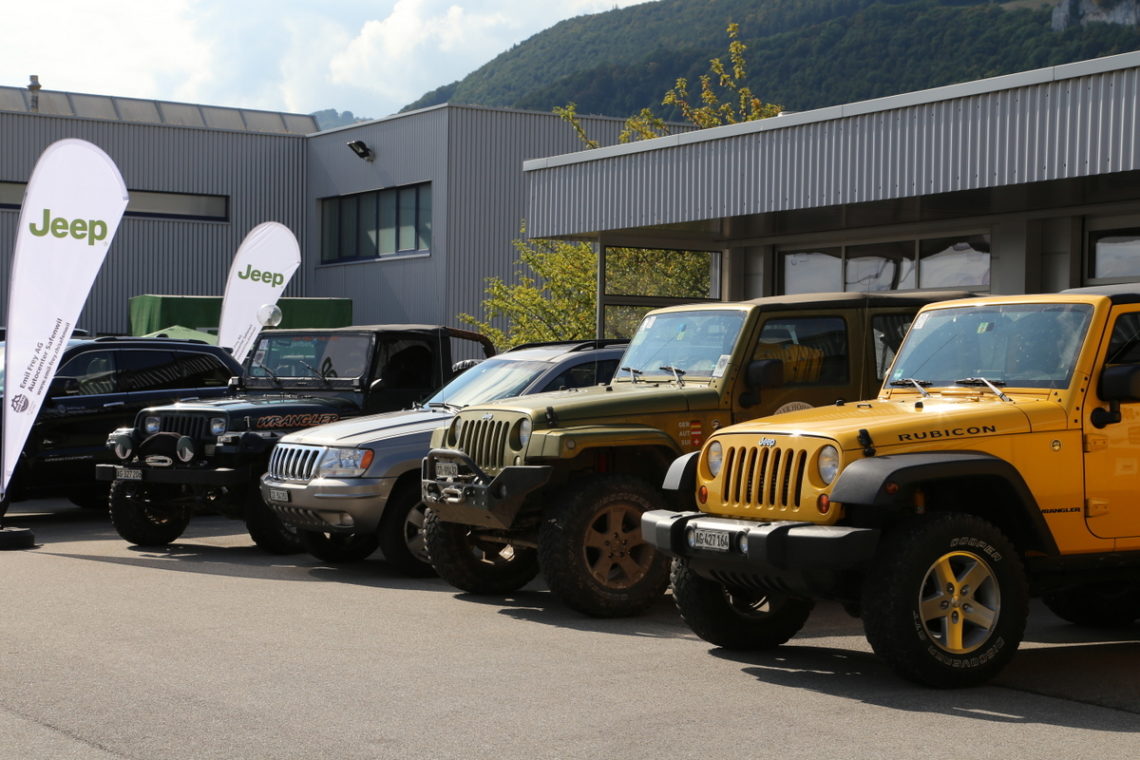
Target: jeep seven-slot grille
(194, 426)
(291, 461)
(763, 477)
(484, 441)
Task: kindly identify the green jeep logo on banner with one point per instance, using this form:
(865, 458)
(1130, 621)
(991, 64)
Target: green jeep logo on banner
(257, 275)
(90, 229)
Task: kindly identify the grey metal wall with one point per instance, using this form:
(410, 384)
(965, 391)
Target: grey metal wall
(1062, 122)
(262, 175)
(473, 157)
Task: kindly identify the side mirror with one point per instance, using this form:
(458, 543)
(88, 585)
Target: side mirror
(1120, 383)
(764, 373)
(63, 386)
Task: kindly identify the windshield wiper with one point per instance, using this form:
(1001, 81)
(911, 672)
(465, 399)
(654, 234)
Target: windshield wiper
(911, 381)
(269, 372)
(992, 385)
(316, 374)
(445, 405)
(633, 373)
(678, 374)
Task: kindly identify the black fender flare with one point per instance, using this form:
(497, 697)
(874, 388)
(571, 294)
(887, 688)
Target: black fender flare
(680, 484)
(865, 482)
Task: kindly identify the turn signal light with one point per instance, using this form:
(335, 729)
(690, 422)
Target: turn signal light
(823, 504)
(703, 494)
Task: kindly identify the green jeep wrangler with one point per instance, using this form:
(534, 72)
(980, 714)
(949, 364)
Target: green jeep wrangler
(559, 481)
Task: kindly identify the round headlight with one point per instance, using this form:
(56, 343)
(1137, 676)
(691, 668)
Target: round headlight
(151, 425)
(184, 449)
(828, 464)
(124, 446)
(524, 433)
(456, 428)
(217, 425)
(714, 457)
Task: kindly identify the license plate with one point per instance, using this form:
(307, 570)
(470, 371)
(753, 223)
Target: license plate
(447, 469)
(129, 473)
(710, 540)
(278, 494)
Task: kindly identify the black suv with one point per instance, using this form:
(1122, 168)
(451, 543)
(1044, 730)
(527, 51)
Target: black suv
(102, 384)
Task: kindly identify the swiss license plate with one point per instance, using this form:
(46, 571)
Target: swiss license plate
(710, 540)
(278, 494)
(446, 469)
(129, 473)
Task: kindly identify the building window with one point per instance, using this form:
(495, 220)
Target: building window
(376, 224)
(638, 280)
(143, 203)
(949, 262)
(1114, 255)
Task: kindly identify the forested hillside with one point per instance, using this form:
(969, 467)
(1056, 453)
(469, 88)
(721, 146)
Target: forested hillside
(801, 53)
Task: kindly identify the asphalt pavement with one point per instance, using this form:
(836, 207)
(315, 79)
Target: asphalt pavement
(210, 648)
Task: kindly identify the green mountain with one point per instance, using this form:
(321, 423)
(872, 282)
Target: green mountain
(801, 54)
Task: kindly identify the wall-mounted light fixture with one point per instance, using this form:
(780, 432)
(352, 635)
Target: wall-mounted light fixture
(361, 149)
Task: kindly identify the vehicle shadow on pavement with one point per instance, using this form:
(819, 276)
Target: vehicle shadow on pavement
(1050, 672)
(536, 604)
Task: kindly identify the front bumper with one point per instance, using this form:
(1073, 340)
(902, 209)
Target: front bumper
(213, 477)
(473, 497)
(799, 556)
(328, 505)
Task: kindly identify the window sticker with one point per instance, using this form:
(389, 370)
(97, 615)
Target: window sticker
(920, 321)
(649, 322)
(721, 365)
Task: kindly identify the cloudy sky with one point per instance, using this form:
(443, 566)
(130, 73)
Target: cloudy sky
(370, 57)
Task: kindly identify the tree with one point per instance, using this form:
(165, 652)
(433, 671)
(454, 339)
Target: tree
(554, 298)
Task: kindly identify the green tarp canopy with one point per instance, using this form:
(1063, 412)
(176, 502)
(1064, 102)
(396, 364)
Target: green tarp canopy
(183, 333)
(153, 313)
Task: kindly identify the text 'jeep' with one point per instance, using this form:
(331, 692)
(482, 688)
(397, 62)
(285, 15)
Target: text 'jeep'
(559, 481)
(1001, 458)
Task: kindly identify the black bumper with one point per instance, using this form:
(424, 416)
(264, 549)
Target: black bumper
(475, 498)
(796, 555)
(216, 477)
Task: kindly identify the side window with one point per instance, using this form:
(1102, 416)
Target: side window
(145, 370)
(583, 375)
(197, 370)
(887, 331)
(813, 349)
(94, 370)
(1124, 346)
(405, 363)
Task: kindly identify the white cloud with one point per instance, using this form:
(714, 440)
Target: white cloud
(367, 56)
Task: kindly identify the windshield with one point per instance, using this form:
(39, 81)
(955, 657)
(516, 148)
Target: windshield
(1017, 345)
(697, 343)
(309, 356)
(489, 380)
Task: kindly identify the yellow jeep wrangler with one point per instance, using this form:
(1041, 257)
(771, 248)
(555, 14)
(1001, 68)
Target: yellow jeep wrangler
(1001, 459)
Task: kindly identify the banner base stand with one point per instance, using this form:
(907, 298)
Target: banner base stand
(16, 538)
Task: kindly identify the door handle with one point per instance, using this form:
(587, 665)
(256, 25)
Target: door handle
(111, 404)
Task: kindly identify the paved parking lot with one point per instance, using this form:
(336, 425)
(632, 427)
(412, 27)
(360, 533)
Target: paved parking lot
(212, 649)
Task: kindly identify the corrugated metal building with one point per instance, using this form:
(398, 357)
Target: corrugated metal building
(410, 231)
(1013, 184)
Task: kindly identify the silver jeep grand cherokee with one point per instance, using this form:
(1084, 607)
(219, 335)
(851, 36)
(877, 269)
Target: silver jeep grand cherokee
(353, 486)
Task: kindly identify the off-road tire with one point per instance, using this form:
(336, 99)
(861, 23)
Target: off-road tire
(266, 529)
(745, 619)
(477, 566)
(592, 553)
(142, 516)
(1113, 604)
(946, 600)
(402, 538)
(339, 548)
